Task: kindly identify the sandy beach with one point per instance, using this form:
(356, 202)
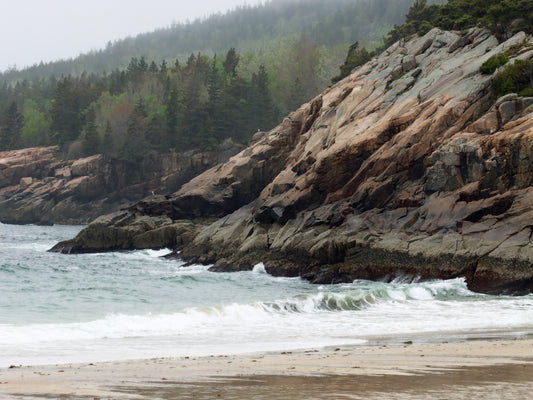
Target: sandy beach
(481, 369)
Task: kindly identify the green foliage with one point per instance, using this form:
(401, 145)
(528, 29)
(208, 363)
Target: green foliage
(72, 96)
(493, 63)
(11, 126)
(355, 58)
(91, 140)
(517, 49)
(420, 19)
(193, 105)
(36, 125)
(515, 78)
(152, 100)
(527, 92)
(502, 17)
(257, 29)
(135, 146)
(231, 62)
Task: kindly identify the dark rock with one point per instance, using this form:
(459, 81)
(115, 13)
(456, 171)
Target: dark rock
(397, 72)
(527, 102)
(507, 111)
(409, 63)
(426, 45)
(126, 231)
(508, 97)
(460, 43)
(270, 215)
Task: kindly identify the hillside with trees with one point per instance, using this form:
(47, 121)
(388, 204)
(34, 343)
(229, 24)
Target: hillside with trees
(263, 30)
(502, 17)
(245, 70)
(146, 107)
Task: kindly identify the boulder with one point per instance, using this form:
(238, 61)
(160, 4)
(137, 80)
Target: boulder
(507, 111)
(409, 63)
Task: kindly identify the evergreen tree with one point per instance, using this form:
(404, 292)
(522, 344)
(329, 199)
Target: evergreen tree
(117, 82)
(355, 58)
(163, 70)
(66, 120)
(135, 146)
(216, 87)
(153, 69)
(91, 140)
(238, 120)
(262, 106)
(231, 62)
(12, 124)
(143, 66)
(108, 143)
(215, 83)
(172, 119)
(158, 138)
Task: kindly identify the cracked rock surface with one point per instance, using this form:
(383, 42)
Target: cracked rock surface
(406, 168)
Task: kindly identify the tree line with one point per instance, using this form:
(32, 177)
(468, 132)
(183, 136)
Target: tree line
(147, 106)
(262, 29)
(198, 103)
(292, 49)
(502, 17)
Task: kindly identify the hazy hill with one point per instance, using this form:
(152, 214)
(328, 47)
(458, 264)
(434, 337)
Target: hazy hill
(258, 29)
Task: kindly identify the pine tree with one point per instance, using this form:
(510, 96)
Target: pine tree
(157, 135)
(66, 120)
(12, 124)
(91, 140)
(108, 143)
(261, 102)
(143, 66)
(231, 62)
(354, 58)
(135, 145)
(172, 118)
(153, 69)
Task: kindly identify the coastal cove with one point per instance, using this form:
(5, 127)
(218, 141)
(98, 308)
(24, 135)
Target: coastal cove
(87, 308)
(408, 167)
(247, 227)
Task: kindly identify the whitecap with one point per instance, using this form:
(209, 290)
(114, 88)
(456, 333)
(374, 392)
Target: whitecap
(259, 268)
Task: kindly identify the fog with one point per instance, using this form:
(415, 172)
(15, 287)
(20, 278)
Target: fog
(32, 31)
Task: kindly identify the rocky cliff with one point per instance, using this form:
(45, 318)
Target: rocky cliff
(408, 167)
(37, 186)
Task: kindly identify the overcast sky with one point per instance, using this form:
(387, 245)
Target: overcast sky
(47, 30)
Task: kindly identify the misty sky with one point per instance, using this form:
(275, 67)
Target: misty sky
(47, 30)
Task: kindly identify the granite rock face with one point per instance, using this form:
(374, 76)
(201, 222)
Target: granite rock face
(37, 186)
(125, 231)
(408, 167)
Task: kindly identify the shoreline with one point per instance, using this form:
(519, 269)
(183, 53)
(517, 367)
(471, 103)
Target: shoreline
(499, 367)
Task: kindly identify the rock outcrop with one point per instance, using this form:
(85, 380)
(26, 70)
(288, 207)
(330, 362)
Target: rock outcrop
(408, 167)
(37, 186)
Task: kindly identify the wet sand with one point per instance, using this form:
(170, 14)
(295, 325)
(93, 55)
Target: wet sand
(480, 369)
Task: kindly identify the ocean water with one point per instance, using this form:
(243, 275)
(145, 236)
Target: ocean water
(128, 305)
